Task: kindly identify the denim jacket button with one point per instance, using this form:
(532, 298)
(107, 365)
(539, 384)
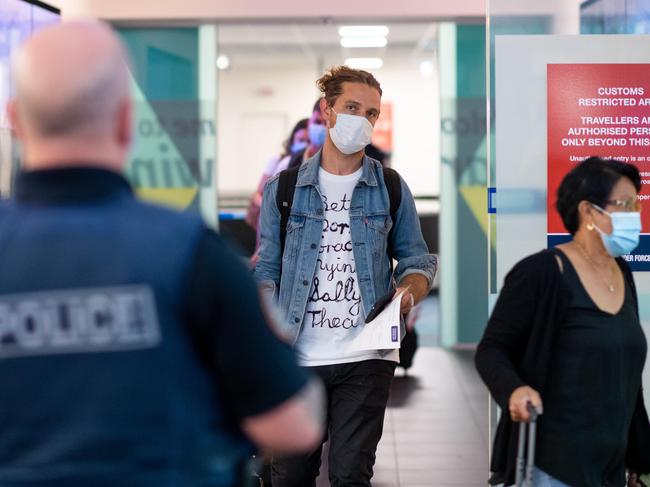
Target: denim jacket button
(319, 211)
(304, 283)
(313, 246)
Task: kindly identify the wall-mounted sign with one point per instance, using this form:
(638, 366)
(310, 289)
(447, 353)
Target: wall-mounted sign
(599, 110)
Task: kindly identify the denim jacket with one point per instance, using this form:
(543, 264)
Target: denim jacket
(370, 224)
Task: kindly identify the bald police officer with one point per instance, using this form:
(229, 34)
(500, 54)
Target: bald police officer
(133, 349)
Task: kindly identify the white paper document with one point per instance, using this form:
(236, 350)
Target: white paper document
(383, 332)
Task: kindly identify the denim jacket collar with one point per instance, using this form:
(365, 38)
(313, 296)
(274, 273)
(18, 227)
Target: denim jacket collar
(308, 174)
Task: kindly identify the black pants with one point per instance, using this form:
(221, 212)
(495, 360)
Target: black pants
(357, 394)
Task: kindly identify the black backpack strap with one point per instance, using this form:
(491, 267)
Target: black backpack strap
(284, 200)
(394, 188)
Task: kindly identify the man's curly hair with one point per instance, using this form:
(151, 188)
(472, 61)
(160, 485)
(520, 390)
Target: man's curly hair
(331, 83)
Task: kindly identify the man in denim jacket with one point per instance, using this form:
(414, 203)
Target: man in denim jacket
(335, 265)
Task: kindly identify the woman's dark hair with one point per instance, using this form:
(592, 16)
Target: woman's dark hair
(300, 125)
(591, 180)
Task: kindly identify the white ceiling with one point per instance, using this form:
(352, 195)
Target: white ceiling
(292, 44)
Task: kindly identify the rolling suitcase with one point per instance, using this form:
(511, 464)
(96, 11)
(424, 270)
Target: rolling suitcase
(526, 450)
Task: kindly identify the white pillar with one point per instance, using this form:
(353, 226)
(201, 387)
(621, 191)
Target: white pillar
(448, 195)
(207, 120)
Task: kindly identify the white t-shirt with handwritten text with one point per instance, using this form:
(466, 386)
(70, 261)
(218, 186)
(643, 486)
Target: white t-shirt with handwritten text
(334, 311)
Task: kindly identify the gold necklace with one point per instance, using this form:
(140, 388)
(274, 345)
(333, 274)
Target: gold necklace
(609, 285)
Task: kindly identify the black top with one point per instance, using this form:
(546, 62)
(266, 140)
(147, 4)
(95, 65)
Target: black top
(256, 371)
(592, 388)
(517, 349)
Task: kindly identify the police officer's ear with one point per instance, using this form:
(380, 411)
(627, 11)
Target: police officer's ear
(14, 119)
(124, 123)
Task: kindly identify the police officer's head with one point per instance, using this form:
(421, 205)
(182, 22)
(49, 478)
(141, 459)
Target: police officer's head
(72, 102)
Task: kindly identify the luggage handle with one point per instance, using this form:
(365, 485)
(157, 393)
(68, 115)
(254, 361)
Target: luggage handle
(526, 456)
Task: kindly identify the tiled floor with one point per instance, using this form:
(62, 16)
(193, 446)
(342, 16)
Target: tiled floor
(436, 426)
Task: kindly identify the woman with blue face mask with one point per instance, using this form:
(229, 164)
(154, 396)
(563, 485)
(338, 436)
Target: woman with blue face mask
(565, 336)
(298, 140)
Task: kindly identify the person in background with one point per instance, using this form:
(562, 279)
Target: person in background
(317, 132)
(565, 337)
(297, 142)
(124, 360)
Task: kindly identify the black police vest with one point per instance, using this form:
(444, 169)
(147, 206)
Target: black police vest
(100, 383)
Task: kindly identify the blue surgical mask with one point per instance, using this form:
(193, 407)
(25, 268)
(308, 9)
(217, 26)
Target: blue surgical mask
(298, 146)
(626, 227)
(317, 133)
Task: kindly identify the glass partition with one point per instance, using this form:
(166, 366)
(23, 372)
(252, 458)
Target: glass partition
(173, 159)
(463, 145)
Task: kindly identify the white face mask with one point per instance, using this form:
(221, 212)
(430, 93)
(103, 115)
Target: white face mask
(351, 133)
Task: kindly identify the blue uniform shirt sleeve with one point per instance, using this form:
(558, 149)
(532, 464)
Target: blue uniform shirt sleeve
(253, 370)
